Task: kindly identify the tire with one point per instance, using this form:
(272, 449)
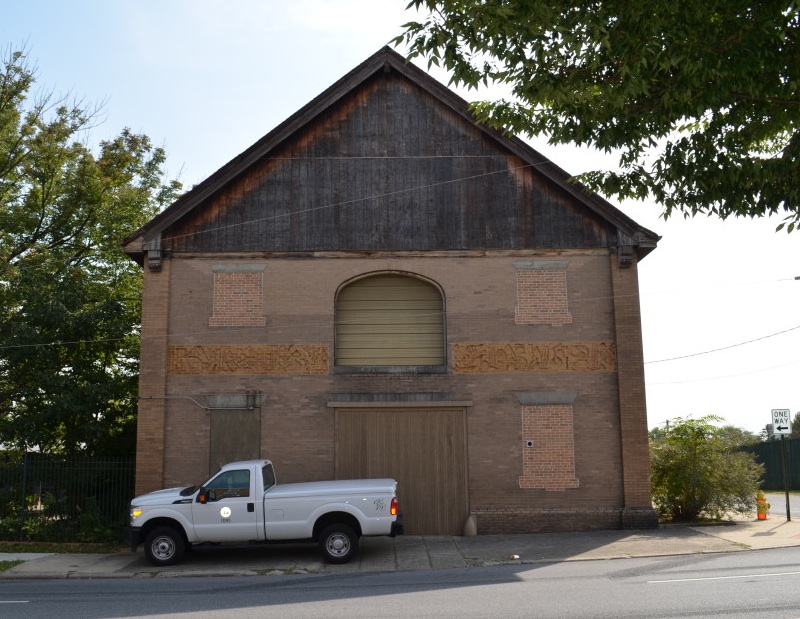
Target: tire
(339, 543)
(164, 546)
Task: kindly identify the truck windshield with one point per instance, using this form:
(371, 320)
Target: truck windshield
(268, 474)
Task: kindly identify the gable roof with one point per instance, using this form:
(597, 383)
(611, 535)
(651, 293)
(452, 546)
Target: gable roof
(629, 233)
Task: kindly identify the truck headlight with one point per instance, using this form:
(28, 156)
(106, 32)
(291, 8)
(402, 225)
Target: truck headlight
(136, 512)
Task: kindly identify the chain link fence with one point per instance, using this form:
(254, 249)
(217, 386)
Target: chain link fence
(50, 499)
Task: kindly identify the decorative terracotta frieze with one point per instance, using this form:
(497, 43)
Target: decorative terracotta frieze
(484, 358)
(255, 359)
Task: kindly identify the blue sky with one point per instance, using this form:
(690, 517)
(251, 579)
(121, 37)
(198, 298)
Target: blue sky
(207, 78)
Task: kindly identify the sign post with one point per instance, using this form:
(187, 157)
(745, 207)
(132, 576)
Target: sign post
(781, 426)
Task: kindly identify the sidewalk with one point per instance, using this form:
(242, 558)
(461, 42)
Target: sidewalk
(382, 554)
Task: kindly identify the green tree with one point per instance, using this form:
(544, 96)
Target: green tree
(795, 426)
(658, 433)
(69, 296)
(698, 471)
(738, 437)
(700, 100)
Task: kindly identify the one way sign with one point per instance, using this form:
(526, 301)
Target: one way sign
(781, 421)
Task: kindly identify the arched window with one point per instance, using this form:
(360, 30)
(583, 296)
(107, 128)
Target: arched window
(389, 320)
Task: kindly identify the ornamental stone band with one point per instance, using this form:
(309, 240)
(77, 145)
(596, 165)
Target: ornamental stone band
(484, 358)
(303, 359)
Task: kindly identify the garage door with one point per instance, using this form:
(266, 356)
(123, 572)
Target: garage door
(424, 449)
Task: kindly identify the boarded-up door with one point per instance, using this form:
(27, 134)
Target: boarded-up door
(424, 449)
(235, 435)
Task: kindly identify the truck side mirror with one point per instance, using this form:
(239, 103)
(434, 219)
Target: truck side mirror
(206, 496)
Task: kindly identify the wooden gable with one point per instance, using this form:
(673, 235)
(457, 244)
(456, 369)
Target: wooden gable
(387, 159)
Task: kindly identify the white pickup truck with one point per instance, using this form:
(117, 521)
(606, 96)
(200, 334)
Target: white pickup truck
(242, 503)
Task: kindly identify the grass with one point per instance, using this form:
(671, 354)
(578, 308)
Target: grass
(7, 565)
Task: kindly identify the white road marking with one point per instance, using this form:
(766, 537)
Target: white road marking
(657, 582)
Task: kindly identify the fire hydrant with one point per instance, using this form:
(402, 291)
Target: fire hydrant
(762, 507)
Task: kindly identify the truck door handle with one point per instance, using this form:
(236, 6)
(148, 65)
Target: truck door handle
(251, 507)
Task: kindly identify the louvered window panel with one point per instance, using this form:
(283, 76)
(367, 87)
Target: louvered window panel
(389, 320)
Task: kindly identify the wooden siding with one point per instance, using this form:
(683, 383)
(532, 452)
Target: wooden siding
(389, 320)
(389, 168)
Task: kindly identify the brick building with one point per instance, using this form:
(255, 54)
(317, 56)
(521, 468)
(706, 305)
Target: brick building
(381, 287)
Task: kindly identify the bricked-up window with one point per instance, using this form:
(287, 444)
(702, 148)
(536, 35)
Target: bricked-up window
(238, 296)
(542, 293)
(548, 456)
(389, 320)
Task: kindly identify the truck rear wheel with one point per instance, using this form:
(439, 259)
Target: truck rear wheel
(339, 543)
(164, 546)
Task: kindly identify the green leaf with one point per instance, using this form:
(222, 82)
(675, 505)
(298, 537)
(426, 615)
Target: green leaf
(621, 75)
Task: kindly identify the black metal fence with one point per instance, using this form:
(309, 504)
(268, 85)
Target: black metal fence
(50, 499)
(769, 453)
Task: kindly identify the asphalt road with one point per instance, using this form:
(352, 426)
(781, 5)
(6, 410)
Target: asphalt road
(777, 501)
(762, 583)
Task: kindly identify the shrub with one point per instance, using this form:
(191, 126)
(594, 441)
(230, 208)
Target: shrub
(698, 472)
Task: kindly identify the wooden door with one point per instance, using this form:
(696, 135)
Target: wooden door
(424, 449)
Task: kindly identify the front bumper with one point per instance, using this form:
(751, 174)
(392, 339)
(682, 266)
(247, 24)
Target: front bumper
(134, 537)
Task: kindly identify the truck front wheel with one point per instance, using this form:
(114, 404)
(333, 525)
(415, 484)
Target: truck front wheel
(164, 546)
(338, 543)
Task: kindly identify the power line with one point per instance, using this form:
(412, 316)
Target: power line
(724, 377)
(325, 323)
(504, 169)
(346, 203)
(707, 352)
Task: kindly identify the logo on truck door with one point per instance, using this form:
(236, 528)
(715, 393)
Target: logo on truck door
(225, 512)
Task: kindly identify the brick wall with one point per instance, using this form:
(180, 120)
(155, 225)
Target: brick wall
(298, 431)
(150, 428)
(545, 520)
(632, 401)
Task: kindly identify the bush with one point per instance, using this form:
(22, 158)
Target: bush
(698, 472)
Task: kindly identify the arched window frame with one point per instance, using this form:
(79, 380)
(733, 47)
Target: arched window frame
(390, 368)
